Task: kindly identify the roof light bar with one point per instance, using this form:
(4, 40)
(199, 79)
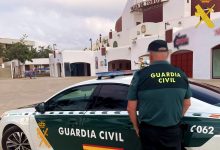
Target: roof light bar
(113, 74)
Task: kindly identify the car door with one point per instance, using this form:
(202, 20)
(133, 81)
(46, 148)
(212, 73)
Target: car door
(60, 126)
(201, 124)
(108, 119)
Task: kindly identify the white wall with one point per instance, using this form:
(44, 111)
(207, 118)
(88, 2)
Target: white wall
(151, 29)
(173, 9)
(201, 41)
(38, 61)
(119, 53)
(122, 38)
(187, 8)
(10, 41)
(140, 48)
(52, 65)
(74, 56)
(101, 61)
(127, 17)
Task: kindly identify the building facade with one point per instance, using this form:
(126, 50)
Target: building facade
(196, 50)
(72, 63)
(12, 68)
(38, 67)
(5, 42)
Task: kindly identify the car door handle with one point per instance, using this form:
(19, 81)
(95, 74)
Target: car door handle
(196, 114)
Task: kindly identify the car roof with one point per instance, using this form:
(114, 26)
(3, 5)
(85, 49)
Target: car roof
(127, 80)
(118, 79)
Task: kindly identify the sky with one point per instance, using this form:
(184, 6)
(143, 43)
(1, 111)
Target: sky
(67, 23)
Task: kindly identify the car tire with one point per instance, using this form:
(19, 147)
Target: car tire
(14, 138)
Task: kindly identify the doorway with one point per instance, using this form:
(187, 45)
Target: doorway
(80, 69)
(118, 65)
(216, 62)
(59, 69)
(183, 59)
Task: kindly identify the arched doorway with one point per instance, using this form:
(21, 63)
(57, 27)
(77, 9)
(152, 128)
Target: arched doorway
(80, 69)
(184, 60)
(115, 44)
(117, 65)
(216, 62)
(59, 69)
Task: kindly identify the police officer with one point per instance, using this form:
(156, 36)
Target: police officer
(162, 95)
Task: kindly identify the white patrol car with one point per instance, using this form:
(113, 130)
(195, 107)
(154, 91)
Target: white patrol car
(92, 116)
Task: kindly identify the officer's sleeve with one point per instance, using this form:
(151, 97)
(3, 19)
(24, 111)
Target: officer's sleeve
(188, 93)
(188, 90)
(132, 91)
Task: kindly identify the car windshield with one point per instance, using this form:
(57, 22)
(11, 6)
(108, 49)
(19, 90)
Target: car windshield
(206, 93)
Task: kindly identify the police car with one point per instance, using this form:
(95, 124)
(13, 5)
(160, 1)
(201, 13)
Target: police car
(92, 115)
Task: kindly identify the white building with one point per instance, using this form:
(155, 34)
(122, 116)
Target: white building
(72, 63)
(11, 68)
(5, 42)
(40, 66)
(195, 50)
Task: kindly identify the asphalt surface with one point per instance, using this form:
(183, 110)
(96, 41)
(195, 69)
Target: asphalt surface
(21, 92)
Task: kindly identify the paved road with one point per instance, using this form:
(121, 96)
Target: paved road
(21, 92)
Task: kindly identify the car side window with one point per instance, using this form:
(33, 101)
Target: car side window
(73, 99)
(111, 97)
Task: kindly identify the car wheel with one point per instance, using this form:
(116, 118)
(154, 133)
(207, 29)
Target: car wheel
(15, 139)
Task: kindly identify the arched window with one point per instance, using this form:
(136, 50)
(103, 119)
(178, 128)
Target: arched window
(115, 44)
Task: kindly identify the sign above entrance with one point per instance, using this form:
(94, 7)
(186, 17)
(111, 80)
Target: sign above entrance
(140, 4)
(181, 40)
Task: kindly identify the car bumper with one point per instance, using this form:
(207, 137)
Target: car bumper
(1, 133)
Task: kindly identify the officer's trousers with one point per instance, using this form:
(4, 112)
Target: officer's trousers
(160, 138)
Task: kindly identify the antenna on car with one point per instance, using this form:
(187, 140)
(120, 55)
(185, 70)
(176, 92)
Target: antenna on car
(113, 74)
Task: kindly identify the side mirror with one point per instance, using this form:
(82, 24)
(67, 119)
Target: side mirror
(41, 108)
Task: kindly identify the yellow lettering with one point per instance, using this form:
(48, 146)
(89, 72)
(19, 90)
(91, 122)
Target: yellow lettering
(166, 75)
(167, 80)
(152, 75)
(163, 74)
(158, 75)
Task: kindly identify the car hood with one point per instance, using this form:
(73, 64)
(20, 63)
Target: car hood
(19, 112)
(29, 106)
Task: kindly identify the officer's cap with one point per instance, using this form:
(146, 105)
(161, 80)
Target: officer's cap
(158, 46)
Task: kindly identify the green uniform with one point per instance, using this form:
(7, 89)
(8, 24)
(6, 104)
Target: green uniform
(160, 90)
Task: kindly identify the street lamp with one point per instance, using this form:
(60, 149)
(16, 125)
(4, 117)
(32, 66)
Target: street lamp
(100, 38)
(54, 50)
(91, 43)
(54, 45)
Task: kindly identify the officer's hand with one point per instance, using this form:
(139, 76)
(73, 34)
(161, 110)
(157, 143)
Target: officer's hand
(137, 131)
